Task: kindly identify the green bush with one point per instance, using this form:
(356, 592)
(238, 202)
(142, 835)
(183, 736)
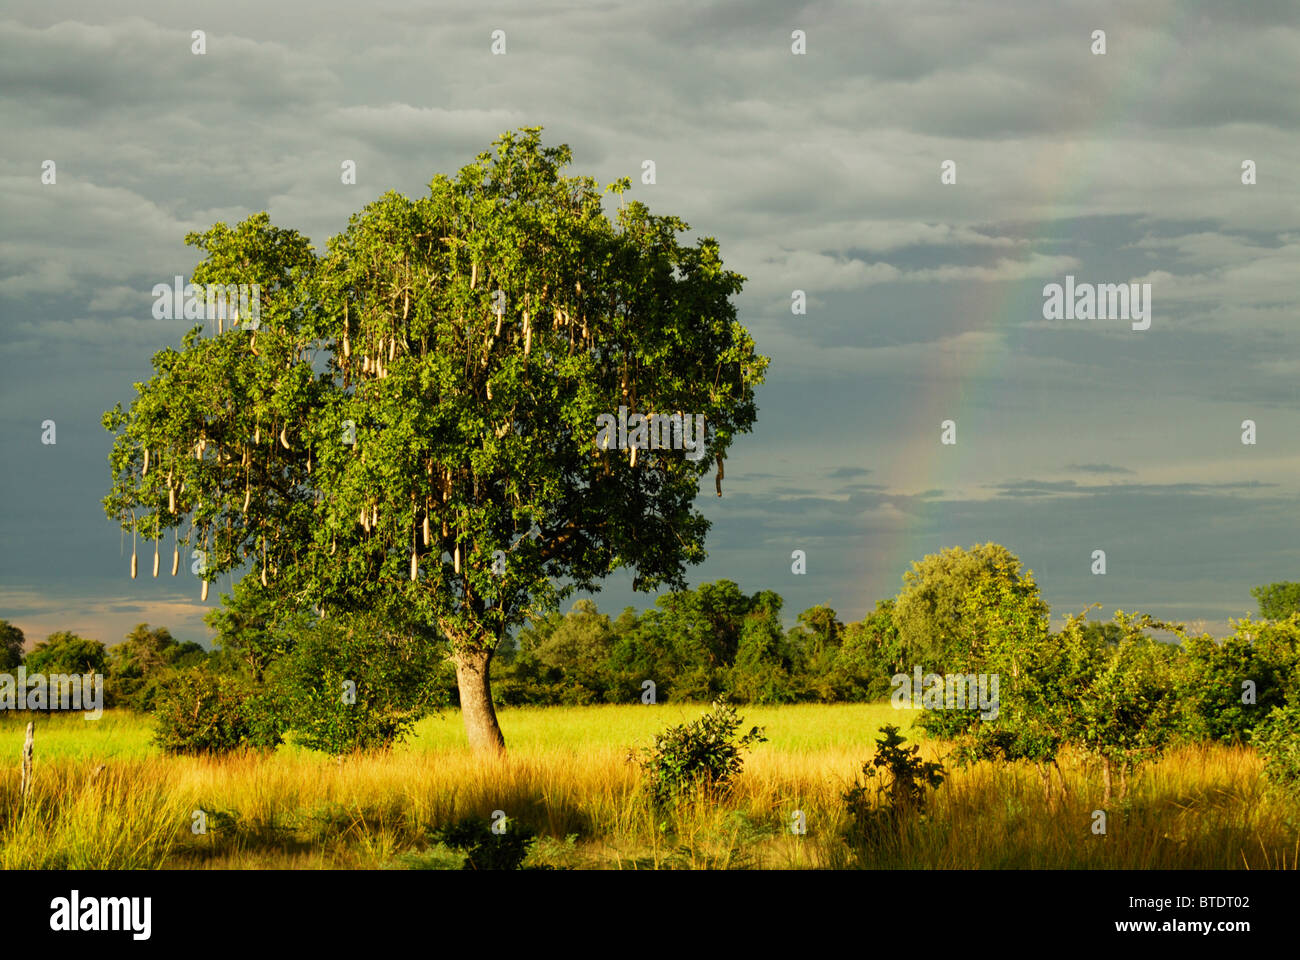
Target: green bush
(701, 757)
(1277, 738)
(1278, 601)
(202, 712)
(899, 788)
(485, 850)
(1211, 673)
(351, 685)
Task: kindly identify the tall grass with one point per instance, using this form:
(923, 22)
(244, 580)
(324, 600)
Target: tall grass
(567, 775)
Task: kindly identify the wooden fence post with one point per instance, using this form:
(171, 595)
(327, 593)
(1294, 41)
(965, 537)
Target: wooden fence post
(27, 759)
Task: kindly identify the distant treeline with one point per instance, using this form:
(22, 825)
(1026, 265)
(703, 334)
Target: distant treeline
(349, 681)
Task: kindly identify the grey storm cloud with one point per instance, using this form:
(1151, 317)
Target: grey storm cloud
(817, 173)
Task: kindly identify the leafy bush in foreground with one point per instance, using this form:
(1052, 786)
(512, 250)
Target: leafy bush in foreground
(701, 756)
(485, 850)
(901, 781)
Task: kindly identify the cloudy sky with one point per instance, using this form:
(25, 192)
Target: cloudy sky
(817, 172)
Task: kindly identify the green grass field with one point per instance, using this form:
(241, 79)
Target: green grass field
(104, 797)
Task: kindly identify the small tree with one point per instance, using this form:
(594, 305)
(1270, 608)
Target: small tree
(1225, 687)
(1002, 631)
(900, 782)
(1127, 710)
(700, 758)
(254, 626)
(1277, 739)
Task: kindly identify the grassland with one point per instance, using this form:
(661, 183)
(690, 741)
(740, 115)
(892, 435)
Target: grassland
(104, 797)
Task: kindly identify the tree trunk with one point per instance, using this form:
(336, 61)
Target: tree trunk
(1123, 781)
(481, 727)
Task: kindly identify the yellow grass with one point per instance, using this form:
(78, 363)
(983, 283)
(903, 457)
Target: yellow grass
(566, 775)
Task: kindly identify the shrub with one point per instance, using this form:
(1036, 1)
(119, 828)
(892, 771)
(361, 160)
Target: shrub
(703, 756)
(485, 850)
(1277, 738)
(200, 711)
(899, 789)
(351, 685)
(1211, 675)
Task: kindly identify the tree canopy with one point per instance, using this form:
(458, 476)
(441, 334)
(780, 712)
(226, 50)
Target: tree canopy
(410, 426)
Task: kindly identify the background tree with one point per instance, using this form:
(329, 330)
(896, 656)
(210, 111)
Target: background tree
(709, 620)
(1213, 698)
(1277, 601)
(11, 645)
(65, 652)
(140, 665)
(869, 656)
(412, 429)
(1104, 633)
(814, 645)
(664, 647)
(935, 627)
(518, 677)
(577, 650)
(762, 671)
